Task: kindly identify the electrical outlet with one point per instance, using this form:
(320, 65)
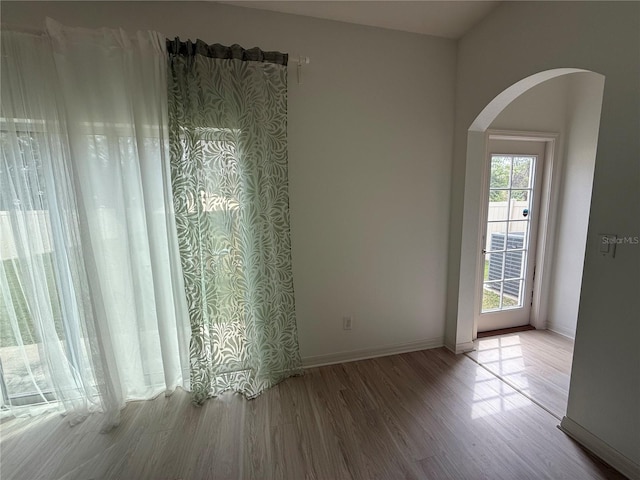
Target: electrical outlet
(347, 323)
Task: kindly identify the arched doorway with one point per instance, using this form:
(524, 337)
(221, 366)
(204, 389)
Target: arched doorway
(584, 91)
(560, 111)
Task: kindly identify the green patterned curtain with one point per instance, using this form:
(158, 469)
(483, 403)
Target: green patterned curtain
(228, 126)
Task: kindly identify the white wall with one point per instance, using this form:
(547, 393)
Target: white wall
(583, 105)
(543, 108)
(370, 140)
(520, 39)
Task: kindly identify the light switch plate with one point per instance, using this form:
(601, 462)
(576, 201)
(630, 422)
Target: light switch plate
(607, 244)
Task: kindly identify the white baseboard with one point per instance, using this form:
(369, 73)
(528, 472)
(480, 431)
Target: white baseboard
(559, 329)
(354, 355)
(461, 348)
(600, 449)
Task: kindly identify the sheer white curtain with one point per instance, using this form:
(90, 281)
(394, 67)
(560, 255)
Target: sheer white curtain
(114, 90)
(48, 346)
(111, 94)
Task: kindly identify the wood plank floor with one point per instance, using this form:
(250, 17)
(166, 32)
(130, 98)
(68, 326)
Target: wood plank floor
(422, 415)
(535, 362)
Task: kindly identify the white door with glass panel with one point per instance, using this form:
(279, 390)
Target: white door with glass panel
(509, 242)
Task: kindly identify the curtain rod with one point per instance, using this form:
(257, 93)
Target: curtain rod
(300, 61)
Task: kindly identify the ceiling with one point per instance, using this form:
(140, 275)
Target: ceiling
(449, 19)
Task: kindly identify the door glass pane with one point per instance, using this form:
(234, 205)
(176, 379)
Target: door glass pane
(496, 235)
(493, 266)
(498, 195)
(500, 171)
(513, 267)
(498, 205)
(517, 234)
(522, 168)
(520, 196)
(520, 205)
(512, 294)
(491, 296)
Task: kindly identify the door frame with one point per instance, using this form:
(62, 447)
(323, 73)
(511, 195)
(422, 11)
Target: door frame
(546, 223)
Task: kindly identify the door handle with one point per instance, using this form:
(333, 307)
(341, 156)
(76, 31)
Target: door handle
(525, 212)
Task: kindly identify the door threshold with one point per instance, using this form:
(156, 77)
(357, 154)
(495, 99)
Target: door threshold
(503, 331)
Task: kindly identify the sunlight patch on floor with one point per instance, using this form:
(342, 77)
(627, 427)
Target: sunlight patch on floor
(491, 395)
